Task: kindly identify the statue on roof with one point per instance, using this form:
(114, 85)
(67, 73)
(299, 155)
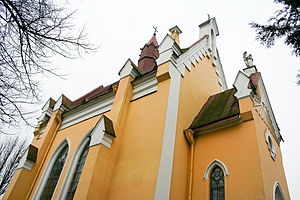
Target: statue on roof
(248, 60)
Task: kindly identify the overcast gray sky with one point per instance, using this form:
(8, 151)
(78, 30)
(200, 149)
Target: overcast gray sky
(121, 28)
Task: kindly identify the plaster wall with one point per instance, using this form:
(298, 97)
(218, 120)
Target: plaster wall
(196, 86)
(23, 180)
(272, 170)
(237, 148)
(138, 159)
(74, 134)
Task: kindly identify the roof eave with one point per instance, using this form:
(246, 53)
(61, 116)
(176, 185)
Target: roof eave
(224, 123)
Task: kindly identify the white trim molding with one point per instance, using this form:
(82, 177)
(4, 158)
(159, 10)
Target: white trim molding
(129, 68)
(24, 162)
(91, 109)
(63, 103)
(49, 167)
(145, 85)
(262, 93)
(212, 165)
(47, 110)
(100, 135)
(241, 84)
(193, 56)
(168, 51)
(277, 185)
(28, 159)
(163, 184)
(107, 140)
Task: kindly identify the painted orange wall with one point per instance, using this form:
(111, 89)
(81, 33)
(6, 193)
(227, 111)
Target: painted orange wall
(23, 180)
(140, 148)
(96, 185)
(196, 86)
(129, 169)
(100, 162)
(74, 134)
(272, 169)
(242, 148)
(142, 139)
(237, 148)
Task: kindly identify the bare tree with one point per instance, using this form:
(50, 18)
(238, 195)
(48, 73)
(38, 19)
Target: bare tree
(11, 151)
(31, 32)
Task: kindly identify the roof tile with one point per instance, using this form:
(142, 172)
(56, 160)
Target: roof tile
(218, 107)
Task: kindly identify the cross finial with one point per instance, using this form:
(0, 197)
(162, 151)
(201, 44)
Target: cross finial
(155, 30)
(208, 16)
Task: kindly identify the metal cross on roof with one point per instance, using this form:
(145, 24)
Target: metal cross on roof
(155, 30)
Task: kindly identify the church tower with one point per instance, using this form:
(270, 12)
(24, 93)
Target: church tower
(148, 56)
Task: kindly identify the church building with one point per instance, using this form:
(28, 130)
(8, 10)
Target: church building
(169, 128)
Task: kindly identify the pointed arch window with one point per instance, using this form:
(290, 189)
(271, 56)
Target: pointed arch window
(277, 195)
(77, 172)
(54, 174)
(217, 184)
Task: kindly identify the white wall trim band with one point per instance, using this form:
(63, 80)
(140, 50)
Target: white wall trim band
(144, 86)
(91, 109)
(163, 185)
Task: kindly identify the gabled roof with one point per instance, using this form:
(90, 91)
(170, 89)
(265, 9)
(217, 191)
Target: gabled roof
(218, 107)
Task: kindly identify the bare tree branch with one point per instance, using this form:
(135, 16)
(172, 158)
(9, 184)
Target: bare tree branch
(31, 32)
(11, 151)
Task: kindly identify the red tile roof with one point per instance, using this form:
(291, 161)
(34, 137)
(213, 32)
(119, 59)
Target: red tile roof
(93, 94)
(148, 56)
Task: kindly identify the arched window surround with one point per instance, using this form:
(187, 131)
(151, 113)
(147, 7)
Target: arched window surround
(212, 165)
(49, 166)
(277, 185)
(72, 167)
(270, 143)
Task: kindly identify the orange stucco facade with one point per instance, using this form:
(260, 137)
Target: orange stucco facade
(138, 148)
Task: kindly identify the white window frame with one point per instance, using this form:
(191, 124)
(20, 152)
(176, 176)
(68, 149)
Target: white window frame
(212, 165)
(277, 185)
(49, 167)
(72, 167)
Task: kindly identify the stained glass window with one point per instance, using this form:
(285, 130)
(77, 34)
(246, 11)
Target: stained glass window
(217, 184)
(54, 174)
(77, 173)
